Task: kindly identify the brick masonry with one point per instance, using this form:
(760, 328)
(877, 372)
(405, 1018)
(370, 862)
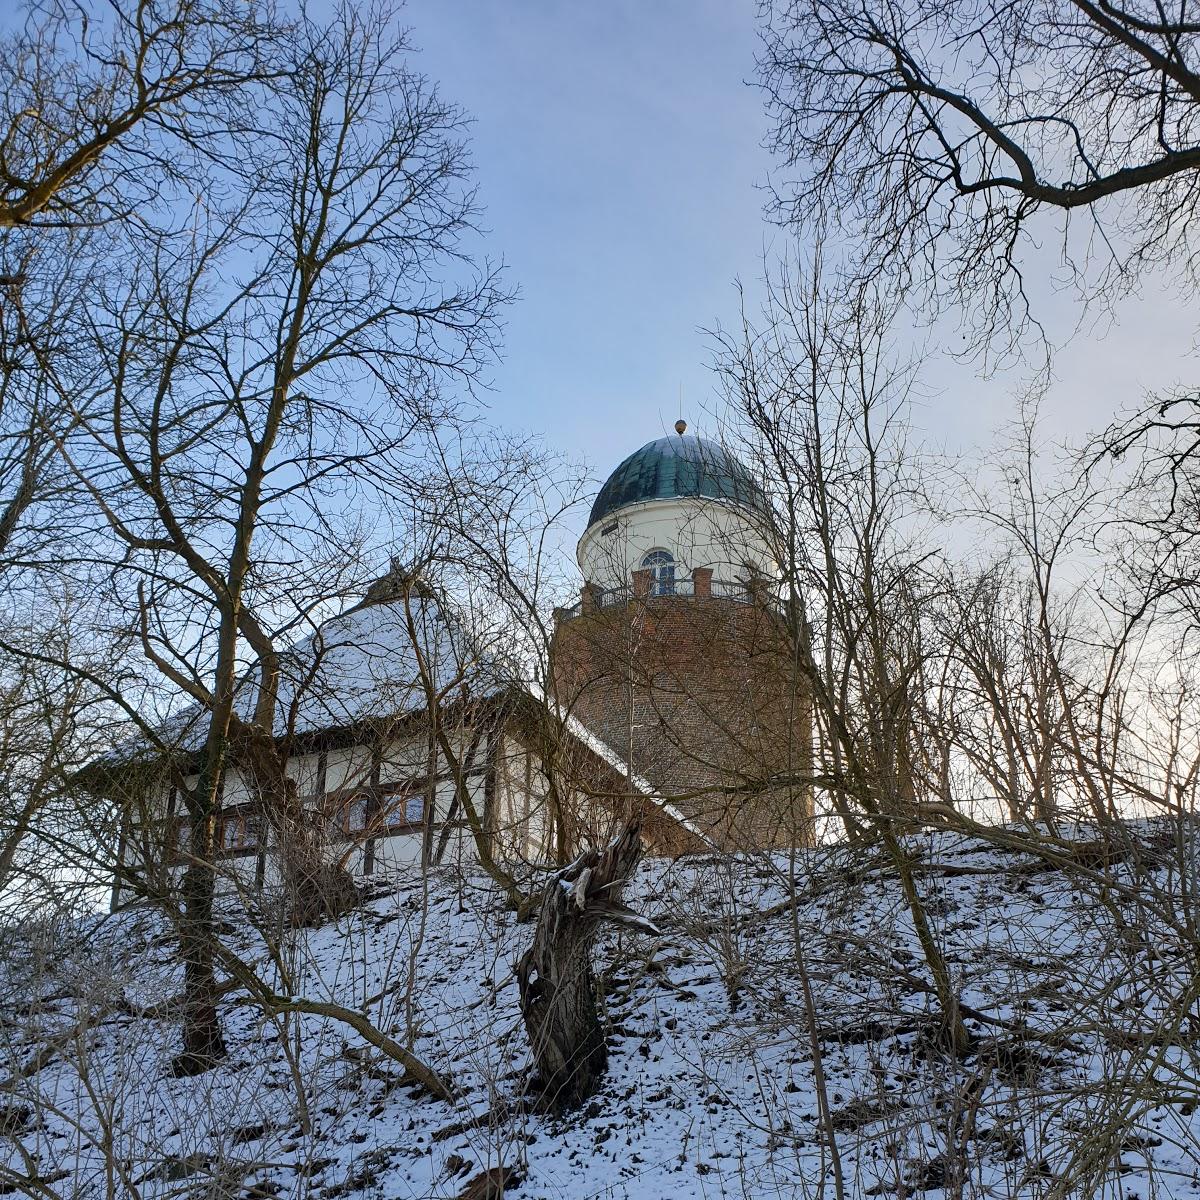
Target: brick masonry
(703, 695)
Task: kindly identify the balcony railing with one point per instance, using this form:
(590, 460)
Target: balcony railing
(602, 598)
(731, 589)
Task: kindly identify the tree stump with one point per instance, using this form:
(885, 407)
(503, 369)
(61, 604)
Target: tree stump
(558, 1000)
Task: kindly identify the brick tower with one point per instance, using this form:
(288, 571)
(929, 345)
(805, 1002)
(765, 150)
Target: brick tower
(677, 654)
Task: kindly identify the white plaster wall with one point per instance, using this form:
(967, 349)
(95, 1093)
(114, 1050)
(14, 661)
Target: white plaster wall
(305, 769)
(443, 797)
(460, 847)
(236, 790)
(404, 758)
(697, 532)
(521, 823)
(349, 767)
(158, 799)
(398, 850)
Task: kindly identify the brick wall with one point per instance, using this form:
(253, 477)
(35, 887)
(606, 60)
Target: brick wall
(702, 693)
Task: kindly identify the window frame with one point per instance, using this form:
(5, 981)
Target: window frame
(395, 797)
(661, 563)
(246, 818)
(381, 801)
(345, 801)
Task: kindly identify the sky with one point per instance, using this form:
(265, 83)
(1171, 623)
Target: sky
(619, 153)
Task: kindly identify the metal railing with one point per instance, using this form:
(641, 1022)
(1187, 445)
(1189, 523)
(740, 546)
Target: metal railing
(729, 589)
(721, 589)
(614, 597)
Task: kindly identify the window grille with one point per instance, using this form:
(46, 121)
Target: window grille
(661, 566)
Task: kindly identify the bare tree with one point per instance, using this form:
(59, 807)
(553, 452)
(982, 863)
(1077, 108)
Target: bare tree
(282, 353)
(490, 553)
(1160, 509)
(38, 313)
(820, 404)
(51, 722)
(102, 104)
(949, 136)
(558, 991)
(110, 115)
(1003, 713)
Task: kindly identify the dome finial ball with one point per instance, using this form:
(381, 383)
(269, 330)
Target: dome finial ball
(680, 426)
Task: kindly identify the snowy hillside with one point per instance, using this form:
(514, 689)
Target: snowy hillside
(712, 1088)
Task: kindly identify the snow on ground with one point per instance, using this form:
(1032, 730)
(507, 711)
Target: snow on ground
(711, 1090)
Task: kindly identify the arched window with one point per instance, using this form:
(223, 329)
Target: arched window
(661, 566)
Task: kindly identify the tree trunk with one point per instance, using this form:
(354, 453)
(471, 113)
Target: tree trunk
(317, 889)
(203, 1045)
(558, 999)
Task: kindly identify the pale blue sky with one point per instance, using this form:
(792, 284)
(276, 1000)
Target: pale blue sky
(619, 156)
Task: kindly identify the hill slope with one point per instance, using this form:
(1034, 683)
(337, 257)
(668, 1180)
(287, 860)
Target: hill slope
(1083, 1077)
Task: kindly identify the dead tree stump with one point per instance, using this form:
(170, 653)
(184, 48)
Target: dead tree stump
(558, 998)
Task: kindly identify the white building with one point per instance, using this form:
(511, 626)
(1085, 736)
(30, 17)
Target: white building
(407, 745)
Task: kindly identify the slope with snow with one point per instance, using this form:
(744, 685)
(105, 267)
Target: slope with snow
(1081, 1080)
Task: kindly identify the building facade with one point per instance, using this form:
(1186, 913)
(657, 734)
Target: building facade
(677, 653)
(672, 695)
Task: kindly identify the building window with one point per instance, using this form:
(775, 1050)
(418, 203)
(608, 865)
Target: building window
(661, 566)
(238, 831)
(404, 805)
(356, 813)
(379, 811)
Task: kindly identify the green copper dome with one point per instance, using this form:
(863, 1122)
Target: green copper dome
(679, 466)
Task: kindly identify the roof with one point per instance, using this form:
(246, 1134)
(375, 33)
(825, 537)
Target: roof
(361, 665)
(367, 664)
(682, 465)
(602, 750)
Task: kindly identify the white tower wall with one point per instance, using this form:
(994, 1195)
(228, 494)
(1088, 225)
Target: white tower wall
(698, 532)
